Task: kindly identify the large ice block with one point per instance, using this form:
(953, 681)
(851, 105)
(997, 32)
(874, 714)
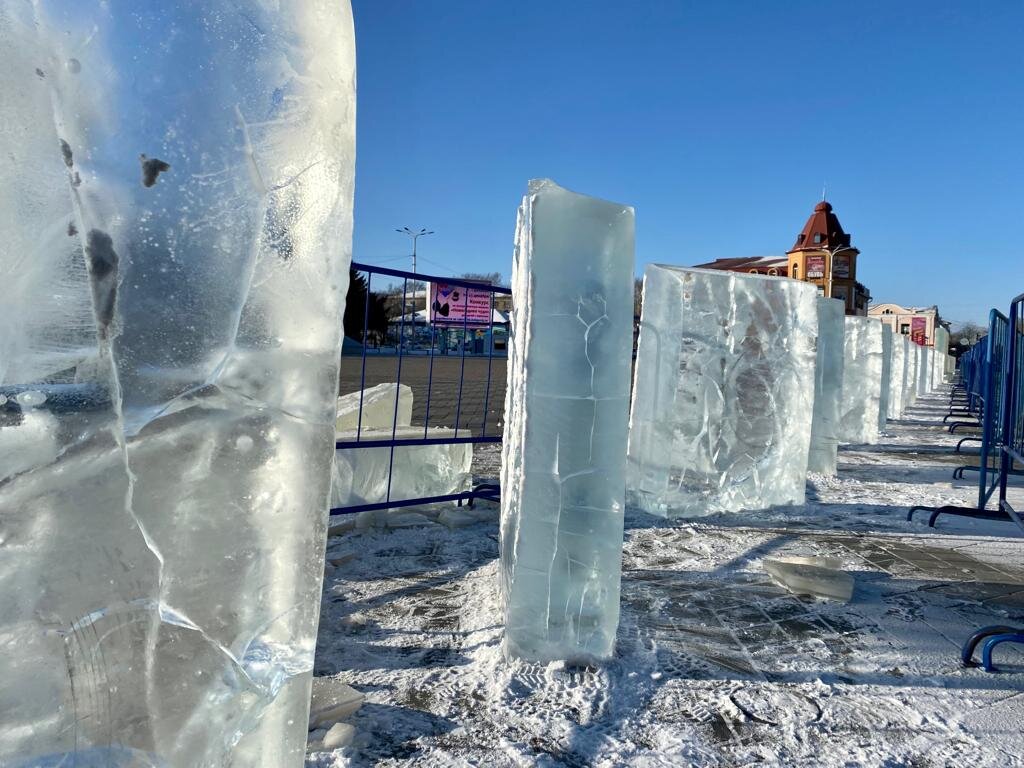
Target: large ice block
(361, 475)
(176, 202)
(910, 381)
(886, 391)
(828, 387)
(924, 372)
(377, 406)
(897, 373)
(723, 392)
(862, 381)
(566, 417)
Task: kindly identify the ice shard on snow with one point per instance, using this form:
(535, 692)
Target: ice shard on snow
(566, 421)
(862, 381)
(176, 202)
(724, 382)
(886, 391)
(828, 387)
(897, 373)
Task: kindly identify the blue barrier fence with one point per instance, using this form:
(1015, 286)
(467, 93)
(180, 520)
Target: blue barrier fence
(991, 378)
(451, 356)
(967, 396)
(989, 361)
(1012, 447)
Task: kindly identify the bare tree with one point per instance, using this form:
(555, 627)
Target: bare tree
(492, 278)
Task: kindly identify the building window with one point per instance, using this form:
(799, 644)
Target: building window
(796, 271)
(817, 237)
(905, 328)
(886, 311)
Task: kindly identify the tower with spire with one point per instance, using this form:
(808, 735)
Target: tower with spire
(823, 255)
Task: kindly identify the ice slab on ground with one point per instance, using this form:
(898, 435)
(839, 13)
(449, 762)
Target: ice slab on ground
(378, 408)
(897, 374)
(339, 735)
(815, 576)
(332, 701)
(361, 475)
(723, 392)
(566, 422)
(176, 202)
(828, 387)
(886, 391)
(862, 381)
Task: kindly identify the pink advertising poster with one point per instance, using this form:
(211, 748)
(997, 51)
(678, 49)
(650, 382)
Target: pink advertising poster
(458, 305)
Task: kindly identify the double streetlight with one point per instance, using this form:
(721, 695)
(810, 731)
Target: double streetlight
(415, 236)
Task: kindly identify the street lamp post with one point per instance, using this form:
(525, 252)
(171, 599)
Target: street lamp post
(405, 307)
(831, 260)
(415, 236)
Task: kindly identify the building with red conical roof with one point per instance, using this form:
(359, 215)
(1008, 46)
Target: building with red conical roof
(824, 256)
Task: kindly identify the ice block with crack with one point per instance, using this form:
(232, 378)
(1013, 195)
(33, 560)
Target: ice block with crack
(723, 392)
(566, 414)
(176, 202)
(862, 381)
(828, 387)
(886, 391)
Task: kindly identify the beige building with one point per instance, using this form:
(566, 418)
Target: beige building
(915, 322)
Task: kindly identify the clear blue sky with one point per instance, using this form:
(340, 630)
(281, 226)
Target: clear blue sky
(718, 121)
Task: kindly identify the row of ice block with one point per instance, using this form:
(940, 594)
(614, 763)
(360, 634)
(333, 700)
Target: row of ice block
(728, 367)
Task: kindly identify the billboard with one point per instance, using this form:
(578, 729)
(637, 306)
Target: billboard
(841, 267)
(815, 267)
(918, 326)
(458, 305)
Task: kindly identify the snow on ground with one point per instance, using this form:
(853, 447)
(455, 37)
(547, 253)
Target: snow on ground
(716, 665)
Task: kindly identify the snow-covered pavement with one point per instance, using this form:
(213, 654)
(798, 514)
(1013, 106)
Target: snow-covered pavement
(716, 664)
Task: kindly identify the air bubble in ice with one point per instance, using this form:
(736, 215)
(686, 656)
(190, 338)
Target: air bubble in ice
(244, 444)
(33, 398)
(74, 66)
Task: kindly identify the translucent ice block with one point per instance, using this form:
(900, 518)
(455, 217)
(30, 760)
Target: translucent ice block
(377, 405)
(176, 202)
(897, 373)
(362, 476)
(910, 380)
(924, 372)
(723, 392)
(886, 391)
(862, 381)
(566, 416)
(828, 387)
(815, 576)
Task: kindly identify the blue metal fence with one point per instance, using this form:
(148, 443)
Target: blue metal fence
(987, 372)
(1012, 446)
(965, 401)
(450, 367)
(990, 375)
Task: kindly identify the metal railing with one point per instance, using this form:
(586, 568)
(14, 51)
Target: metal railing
(446, 354)
(990, 387)
(1012, 445)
